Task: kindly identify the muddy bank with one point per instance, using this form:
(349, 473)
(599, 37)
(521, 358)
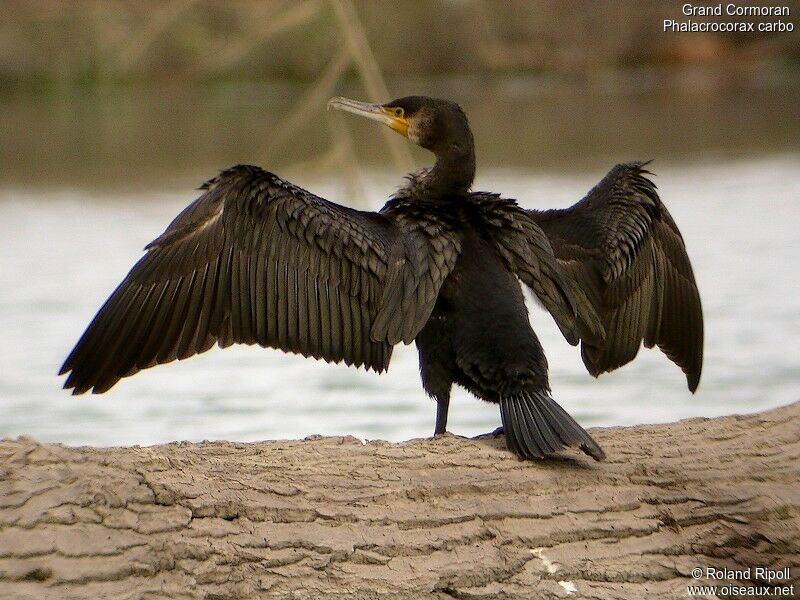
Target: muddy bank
(443, 518)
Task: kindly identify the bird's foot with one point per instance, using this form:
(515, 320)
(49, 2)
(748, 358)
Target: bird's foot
(492, 434)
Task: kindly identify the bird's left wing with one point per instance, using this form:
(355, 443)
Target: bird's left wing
(257, 260)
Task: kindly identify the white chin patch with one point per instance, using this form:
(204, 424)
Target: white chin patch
(413, 135)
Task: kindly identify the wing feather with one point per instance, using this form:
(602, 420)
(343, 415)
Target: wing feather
(529, 255)
(257, 260)
(629, 264)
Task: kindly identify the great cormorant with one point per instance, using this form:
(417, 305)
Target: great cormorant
(257, 260)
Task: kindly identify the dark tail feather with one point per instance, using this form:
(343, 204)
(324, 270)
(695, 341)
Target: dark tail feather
(535, 427)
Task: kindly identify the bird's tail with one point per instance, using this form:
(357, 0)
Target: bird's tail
(535, 427)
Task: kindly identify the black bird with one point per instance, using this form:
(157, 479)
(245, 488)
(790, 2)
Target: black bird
(257, 260)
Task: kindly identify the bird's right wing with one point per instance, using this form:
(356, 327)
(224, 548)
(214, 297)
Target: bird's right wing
(257, 260)
(527, 251)
(627, 258)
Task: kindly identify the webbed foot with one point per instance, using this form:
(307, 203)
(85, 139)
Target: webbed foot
(492, 434)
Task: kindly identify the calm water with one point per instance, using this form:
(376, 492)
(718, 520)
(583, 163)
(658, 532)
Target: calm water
(64, 251)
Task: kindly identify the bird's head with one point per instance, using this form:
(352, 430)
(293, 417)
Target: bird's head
(436, 125)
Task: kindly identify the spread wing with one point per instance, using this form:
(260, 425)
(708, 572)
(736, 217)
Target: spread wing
(257, 260)
(529, 255)
(624, 252)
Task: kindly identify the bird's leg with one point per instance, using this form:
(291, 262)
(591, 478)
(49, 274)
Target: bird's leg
(442, 404)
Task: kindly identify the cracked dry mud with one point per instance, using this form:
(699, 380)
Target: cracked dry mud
(433, 518)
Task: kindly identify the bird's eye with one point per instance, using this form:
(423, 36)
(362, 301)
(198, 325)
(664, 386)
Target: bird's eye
(398, 112)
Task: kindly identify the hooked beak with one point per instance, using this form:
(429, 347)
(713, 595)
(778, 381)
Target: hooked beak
(376, 112)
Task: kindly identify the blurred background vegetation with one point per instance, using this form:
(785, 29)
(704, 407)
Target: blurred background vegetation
(68, 43)
(163, 92)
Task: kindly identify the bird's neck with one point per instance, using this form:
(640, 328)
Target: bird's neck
(453, 172)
